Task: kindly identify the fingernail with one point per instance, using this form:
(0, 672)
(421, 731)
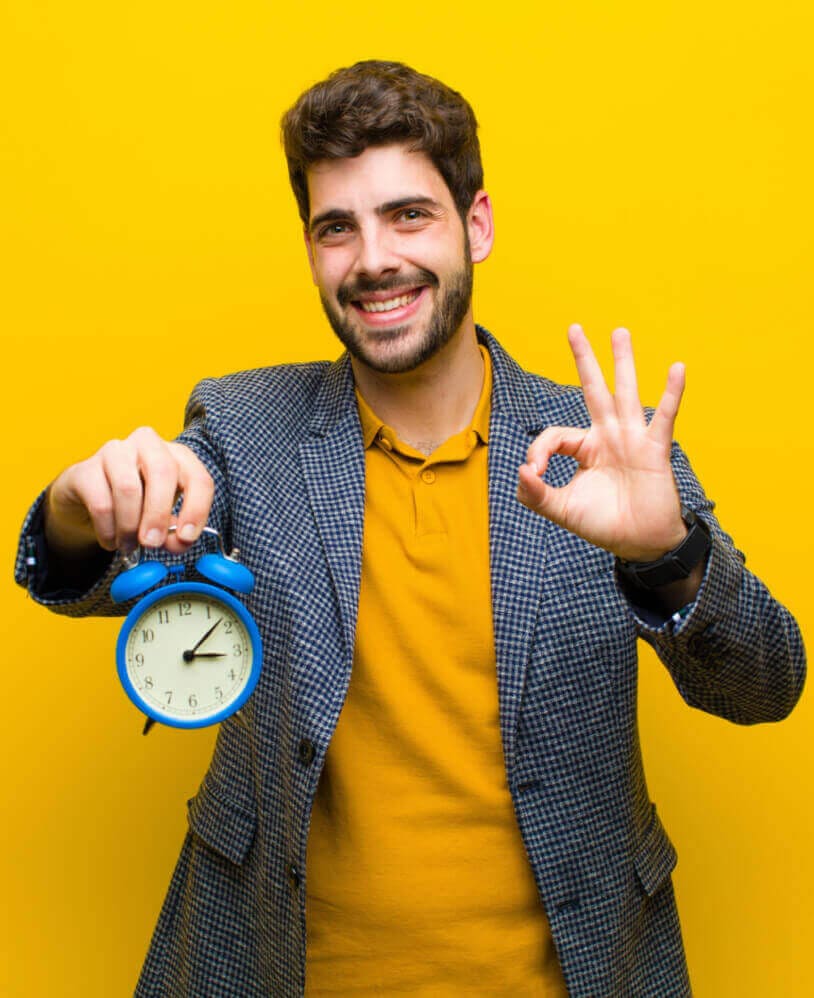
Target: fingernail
(575, 328)
(187, 532)
(153, 538)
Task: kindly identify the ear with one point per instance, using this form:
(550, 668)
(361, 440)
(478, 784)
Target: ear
(309, 249)
(480, 226)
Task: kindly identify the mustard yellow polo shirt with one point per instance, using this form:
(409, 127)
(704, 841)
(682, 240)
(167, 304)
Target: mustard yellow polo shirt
(418, 881)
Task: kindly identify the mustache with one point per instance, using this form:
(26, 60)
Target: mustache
(365, 285)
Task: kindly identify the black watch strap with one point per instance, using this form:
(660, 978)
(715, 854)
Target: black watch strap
(676, 564)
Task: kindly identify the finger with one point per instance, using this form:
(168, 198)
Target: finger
(199, 490)
(565, 440)
(626, 389)
(662, 424)
(597, 397)
(119, 460)
(540, 498)
(91, 489)
(159, 474)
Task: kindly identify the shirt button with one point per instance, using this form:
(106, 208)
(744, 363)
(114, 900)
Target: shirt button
(306, 752)
(293, 876)
(384, 442)
(428, 476)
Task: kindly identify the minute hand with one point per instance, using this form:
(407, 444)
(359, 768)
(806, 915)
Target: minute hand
(212, 628)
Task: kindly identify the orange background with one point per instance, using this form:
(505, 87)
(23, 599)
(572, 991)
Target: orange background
(650, 165)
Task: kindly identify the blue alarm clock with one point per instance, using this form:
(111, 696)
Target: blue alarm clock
(189, 653)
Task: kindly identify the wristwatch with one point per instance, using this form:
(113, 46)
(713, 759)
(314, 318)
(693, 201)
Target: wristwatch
(676, 564)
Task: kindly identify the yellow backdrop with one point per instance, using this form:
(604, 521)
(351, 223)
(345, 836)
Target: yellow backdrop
(650, 165)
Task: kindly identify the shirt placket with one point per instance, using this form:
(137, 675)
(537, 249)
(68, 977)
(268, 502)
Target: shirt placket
(427, 475)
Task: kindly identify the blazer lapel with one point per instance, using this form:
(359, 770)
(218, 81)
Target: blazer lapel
(518, 537)
(333, 465)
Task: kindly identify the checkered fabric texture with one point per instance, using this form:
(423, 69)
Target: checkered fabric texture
(284, 446)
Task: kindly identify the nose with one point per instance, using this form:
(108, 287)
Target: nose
(377, 253)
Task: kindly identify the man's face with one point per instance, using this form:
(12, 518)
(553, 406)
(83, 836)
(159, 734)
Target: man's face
(390, 256)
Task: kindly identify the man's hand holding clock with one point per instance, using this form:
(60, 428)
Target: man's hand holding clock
(123, 496)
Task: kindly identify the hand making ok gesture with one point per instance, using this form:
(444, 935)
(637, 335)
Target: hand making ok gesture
(623, 497)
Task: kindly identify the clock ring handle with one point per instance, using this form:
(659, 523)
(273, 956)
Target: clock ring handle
(233, 554)
(135, 557)
(142, 573)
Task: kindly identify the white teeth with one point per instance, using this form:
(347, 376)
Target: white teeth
(390, 304)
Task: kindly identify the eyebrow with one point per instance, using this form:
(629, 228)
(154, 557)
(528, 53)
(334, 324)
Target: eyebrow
(338, 215)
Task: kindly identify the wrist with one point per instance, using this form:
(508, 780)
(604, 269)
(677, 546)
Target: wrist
(676, 565)
(648, 555)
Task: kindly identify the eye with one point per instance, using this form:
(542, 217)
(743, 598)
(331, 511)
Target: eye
(334, 230)
(412, 214)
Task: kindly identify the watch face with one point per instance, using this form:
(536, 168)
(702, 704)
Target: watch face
(187, 655)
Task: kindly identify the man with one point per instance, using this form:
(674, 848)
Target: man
(445, 725)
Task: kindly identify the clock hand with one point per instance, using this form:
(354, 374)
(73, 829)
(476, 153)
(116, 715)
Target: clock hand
(212, 628)
(189, 654)
(204, 654)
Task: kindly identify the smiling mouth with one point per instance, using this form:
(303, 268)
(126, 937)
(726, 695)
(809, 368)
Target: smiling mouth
(389, 304)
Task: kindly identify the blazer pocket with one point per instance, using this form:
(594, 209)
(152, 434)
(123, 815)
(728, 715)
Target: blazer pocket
(223, 824)
(656, 857)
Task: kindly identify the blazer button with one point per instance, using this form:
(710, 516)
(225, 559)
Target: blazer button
(306, 752)
(293, 876)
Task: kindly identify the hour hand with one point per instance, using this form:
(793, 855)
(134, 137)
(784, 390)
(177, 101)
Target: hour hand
(189, 655)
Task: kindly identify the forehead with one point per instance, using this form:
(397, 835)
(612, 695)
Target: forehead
(379, 175)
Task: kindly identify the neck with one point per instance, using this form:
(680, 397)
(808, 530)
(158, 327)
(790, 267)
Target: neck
(435, 401)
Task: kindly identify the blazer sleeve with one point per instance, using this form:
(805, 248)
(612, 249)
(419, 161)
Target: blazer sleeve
(88, 592)
(738, 653)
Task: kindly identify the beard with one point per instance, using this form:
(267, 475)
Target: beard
(447, 315)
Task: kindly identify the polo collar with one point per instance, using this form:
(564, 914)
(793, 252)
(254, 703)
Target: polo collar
(373, 426)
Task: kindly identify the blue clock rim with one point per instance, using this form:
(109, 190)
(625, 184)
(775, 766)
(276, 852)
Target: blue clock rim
(176, 589)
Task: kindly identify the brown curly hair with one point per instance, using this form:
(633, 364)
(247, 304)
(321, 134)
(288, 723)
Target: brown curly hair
(375, 103)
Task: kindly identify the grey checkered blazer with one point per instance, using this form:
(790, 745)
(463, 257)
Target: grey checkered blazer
(284, 446)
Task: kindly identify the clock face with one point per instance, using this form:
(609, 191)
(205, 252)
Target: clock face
(189, 656)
